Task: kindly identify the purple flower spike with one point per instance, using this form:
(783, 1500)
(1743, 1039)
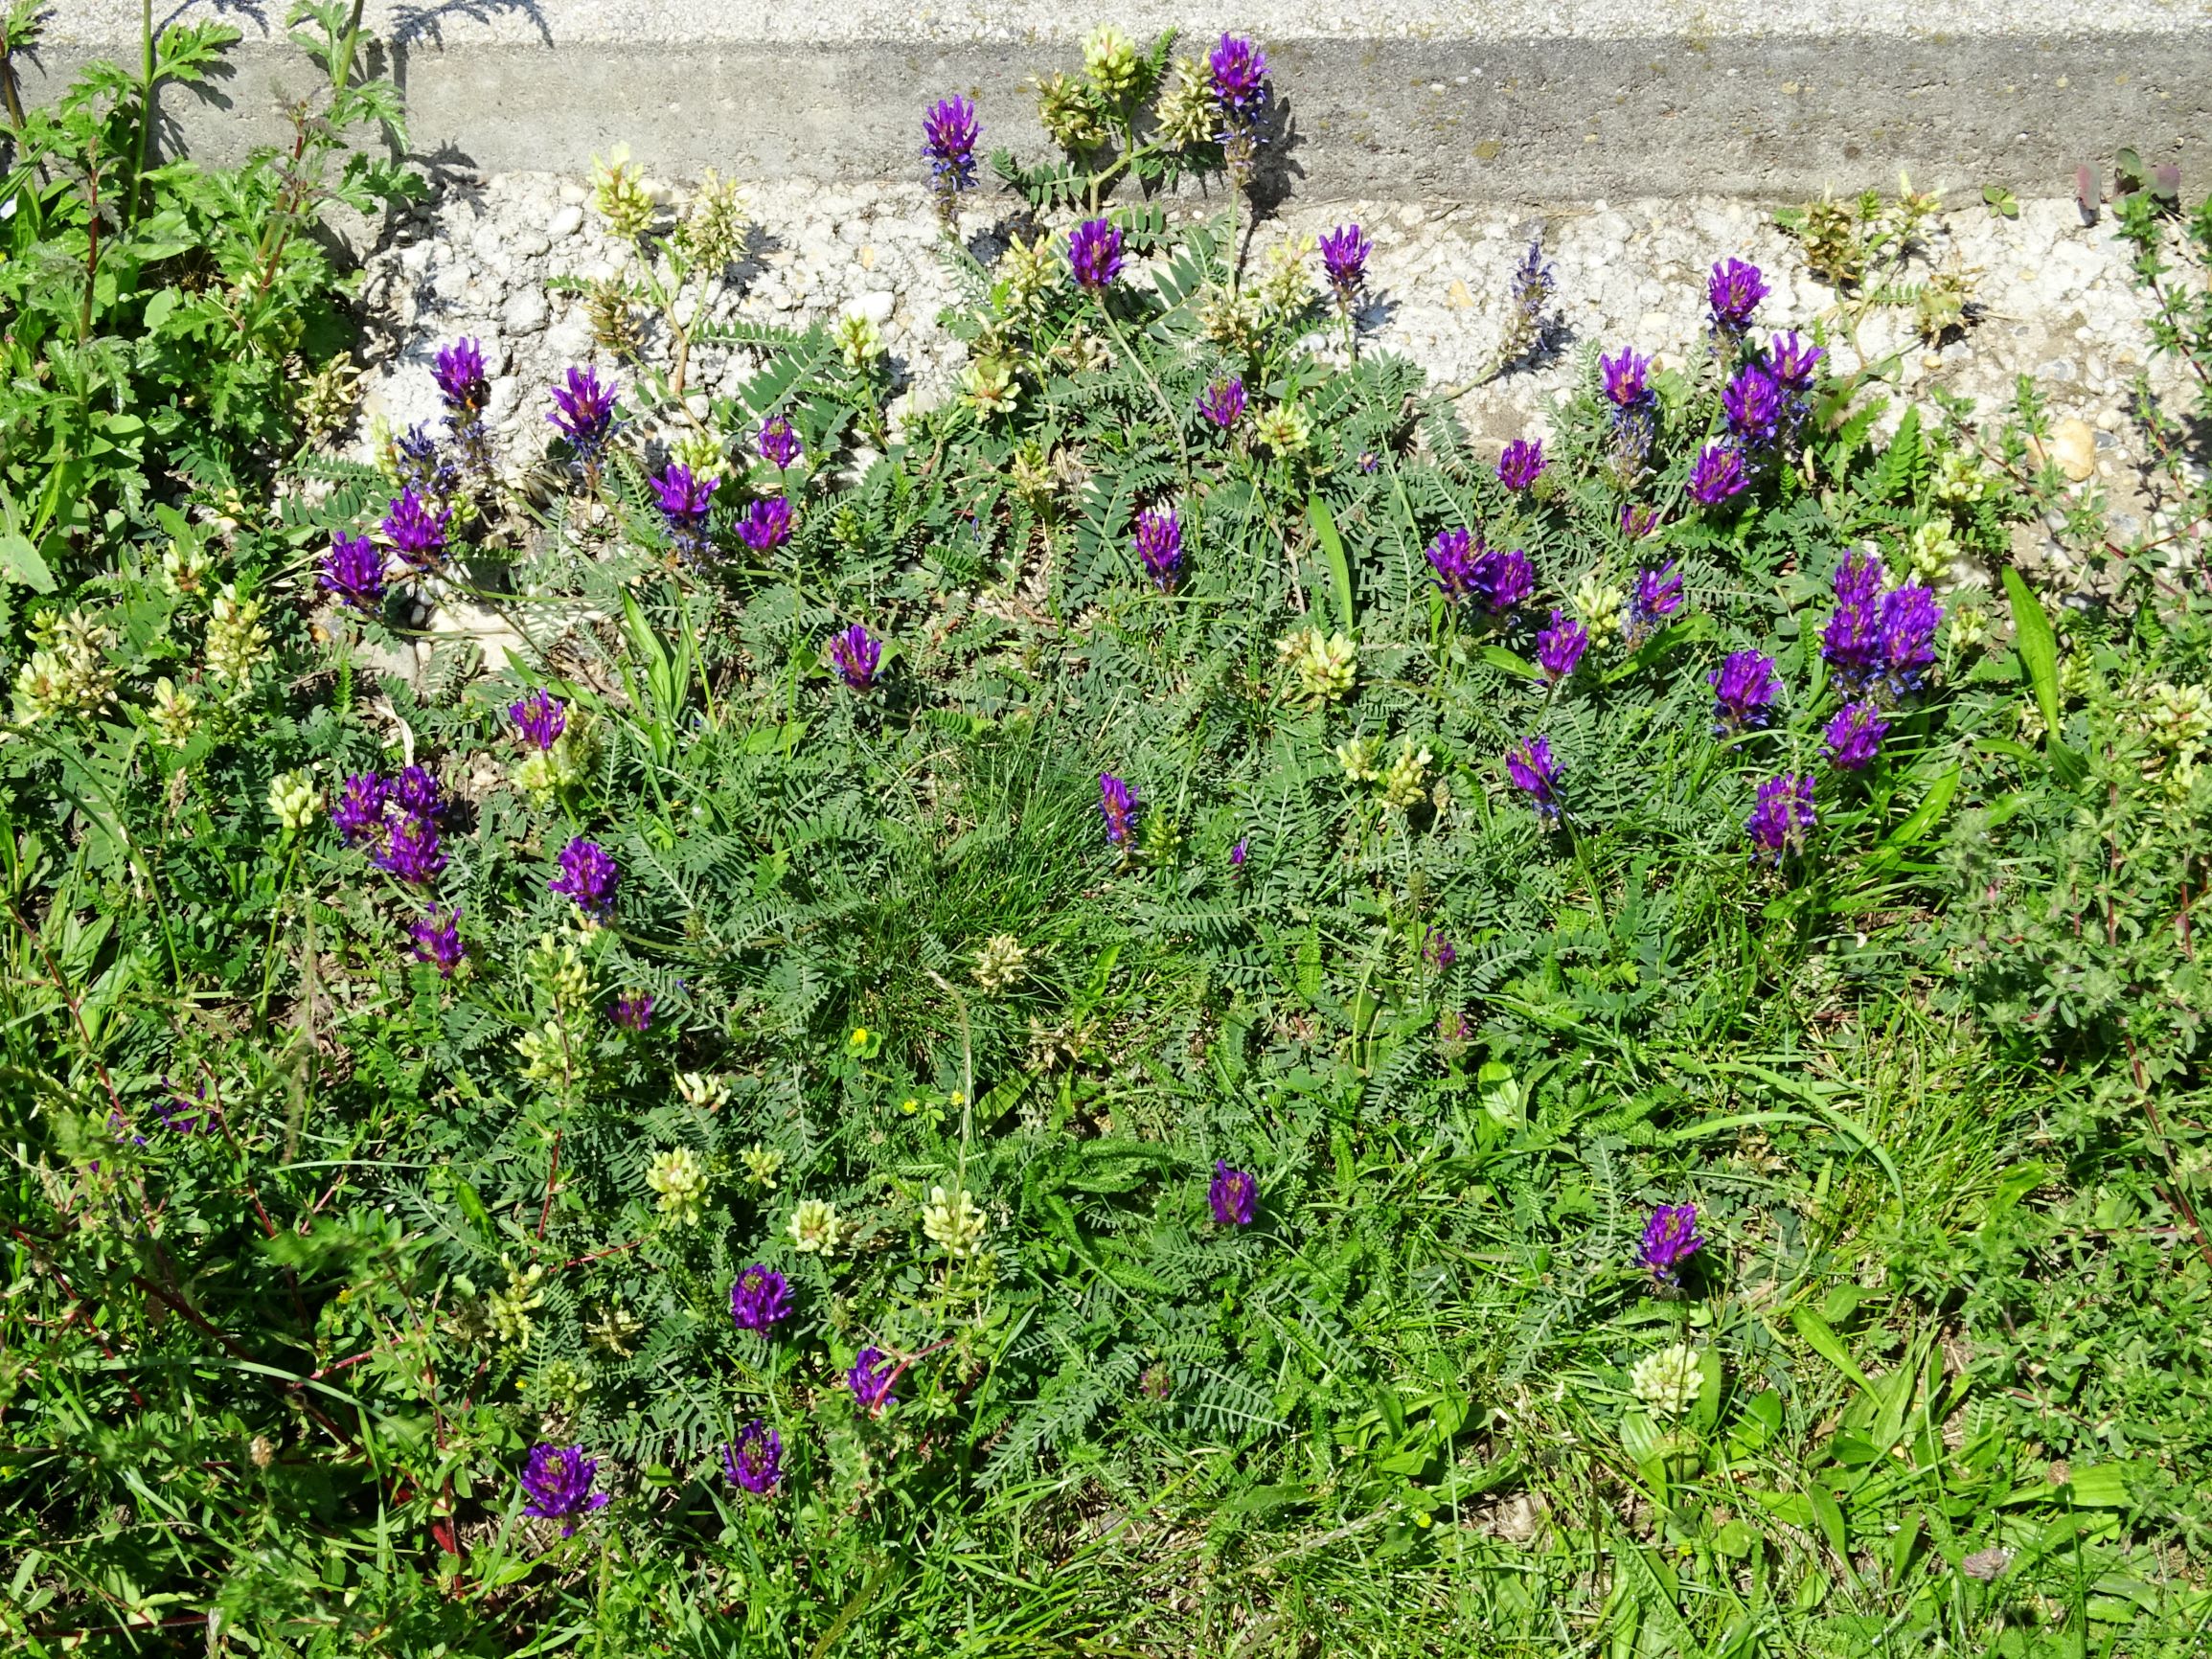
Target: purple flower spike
(411, 852)
(779, 445)
(1094, 254)
(1502, 581)
(436, 940)
(583, 414)
(1521, 465)
(417, 534)
(949, 132)
(1624, 377)
(1639, 522)
(589, 875)
(685, 500)
(461, 378)
(539, 717)
(767, 525)
(1438, 951)
(760, 1297)
(182, 1114)
(1159, 544)
(1560, 648)
(1237, 852)
(1855, 737)
(415, 791)
(1670, 1239)
(1733, 292)
(755, 1460)
(353, 570)
(1782, 816)
(359, 813)
(871, 1379)
(1909, 618)
(1240, 70)
(1224, 401)
(1744, 687)
(633, 1012)
(1717, 475)
(1344, 253)
(855, 656)
(1118, 806)
(1452, 556)
(1232, 1194)
(1754, 403)
(1658, 594)
(1530, 766)
(557, 1482)
(1792, 362)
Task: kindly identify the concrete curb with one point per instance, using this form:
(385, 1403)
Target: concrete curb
(1577, 104)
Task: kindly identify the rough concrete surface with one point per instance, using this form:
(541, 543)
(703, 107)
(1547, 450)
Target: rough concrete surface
(1515, 101)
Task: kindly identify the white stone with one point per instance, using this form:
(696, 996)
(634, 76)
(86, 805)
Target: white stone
(526, 311)
(565, 221)
(878, 307)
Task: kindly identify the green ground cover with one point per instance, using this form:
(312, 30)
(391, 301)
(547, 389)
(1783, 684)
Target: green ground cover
(1015, 1082)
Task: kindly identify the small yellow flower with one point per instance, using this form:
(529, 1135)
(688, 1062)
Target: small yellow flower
(1358, 757)
(1283, 429)
(951, 1221)
(1402, 782)
(680, 1180)
(1668, 1381)
(1000, 961)
(859, 342)
(763, 1165)
(816, 1228)
(294, 801)
(1322, 667)
(1602, 606)
(707, 1093)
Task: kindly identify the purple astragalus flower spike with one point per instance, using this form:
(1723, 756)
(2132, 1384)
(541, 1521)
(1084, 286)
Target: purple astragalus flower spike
(436, 940)
(557, 1482)
(1530, 766)
(419, 465)
(685, 500)
(1560, 648)
(1744, 687)
(1851, 639)
(949, 132)
(417, 534)
(1453, 557)
(1669, 1239)
(633, 1012)
(353, 570)
(1094, 255)
(359, 813)
(1232, 1195)
(1782, 816)
(755, 1460)
(1717, 476)
(1344, 253)
(766, 524)
(1637, 522)
(779, 445)
(1159, 543)
(759, 1297)
(1240, 72)
(1624, 375)
(1792, 362)
(180, 1113)
(541, 717)
(1909, 618)
(1854, 736)
(1118, 806)
(1438, 951)
(1222, 402)
(1732, 293)
(416, 791)
(1238, 853)
(1502, 581)
(411, 851)
(459, 371)
(1521, 463)
(1754, 405)
(589, 875)
(855, 655)
(1658, 596)
(583, 414)
(871, 1379)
